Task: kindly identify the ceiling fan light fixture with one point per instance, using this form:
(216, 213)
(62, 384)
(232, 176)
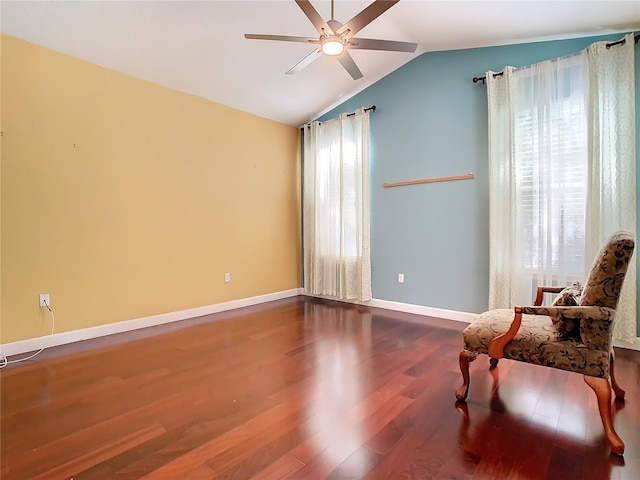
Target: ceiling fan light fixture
(332, 46)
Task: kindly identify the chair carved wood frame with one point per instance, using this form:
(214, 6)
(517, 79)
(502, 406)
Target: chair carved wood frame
(539, 334)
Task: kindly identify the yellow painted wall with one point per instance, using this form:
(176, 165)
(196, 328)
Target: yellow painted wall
(123, 199)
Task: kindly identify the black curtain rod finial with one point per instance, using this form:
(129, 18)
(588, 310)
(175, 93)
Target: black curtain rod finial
(483, 79)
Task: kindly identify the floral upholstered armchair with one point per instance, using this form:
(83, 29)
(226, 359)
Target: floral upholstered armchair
(573, 334)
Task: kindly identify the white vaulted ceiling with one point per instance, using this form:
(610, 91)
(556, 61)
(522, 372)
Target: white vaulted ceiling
(199, 47)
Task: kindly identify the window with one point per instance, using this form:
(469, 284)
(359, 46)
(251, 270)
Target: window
(551, 166)
(336, 208)
(341, 203)
(562, 172)
(538, 156)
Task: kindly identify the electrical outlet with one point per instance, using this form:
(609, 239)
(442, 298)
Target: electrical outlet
(44, 300)
(227, 277)
(401, 278)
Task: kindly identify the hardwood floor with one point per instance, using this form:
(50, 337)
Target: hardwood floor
(303, 389)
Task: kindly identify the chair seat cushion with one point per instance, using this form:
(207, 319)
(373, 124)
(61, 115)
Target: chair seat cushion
(535, 342)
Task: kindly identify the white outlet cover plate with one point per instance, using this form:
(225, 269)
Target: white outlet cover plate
(44, 300)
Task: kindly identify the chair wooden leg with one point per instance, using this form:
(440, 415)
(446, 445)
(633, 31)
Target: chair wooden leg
(466, 358)
(602, 390)
(614, 382)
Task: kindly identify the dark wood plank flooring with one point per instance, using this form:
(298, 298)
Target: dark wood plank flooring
(303, 389)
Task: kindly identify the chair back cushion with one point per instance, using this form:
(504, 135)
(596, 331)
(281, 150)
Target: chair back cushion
(608, 271)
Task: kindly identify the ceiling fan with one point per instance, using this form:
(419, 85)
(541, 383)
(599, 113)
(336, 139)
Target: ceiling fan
(336, 39)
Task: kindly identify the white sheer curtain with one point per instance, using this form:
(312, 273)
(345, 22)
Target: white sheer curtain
(559, 173)
(538, 174)
(612, 169)
(336, 207)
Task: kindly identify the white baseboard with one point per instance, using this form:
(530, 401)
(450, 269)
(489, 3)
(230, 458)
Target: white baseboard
(31, 344)
(411, 308)
(422, 310)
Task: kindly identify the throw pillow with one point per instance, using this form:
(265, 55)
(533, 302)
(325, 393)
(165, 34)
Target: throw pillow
(568, 328)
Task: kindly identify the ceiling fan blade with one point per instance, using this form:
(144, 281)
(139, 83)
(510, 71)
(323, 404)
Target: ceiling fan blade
(366, 16)
(282, 38)
(316, 54)
(349, 65)
(390, 45)
(314, 17)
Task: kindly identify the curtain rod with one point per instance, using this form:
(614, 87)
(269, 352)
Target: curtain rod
(621, 42)
(371, 108)
(609, 45)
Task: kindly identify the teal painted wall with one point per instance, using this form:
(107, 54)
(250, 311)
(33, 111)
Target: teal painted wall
(431, 121)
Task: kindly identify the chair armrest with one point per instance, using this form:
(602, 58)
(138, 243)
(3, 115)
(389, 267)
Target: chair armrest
(595, 322)
(595, 325)
(542, 290)
(496, 346)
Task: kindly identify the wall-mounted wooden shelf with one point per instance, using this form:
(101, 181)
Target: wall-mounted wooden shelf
(430, 180)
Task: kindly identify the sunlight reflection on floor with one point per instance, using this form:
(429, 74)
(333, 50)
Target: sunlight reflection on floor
(336, 405)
